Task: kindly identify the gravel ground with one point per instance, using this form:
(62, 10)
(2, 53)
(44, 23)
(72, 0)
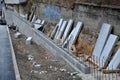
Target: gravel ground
(37, 63)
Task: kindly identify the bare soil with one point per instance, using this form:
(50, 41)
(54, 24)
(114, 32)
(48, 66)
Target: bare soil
(37, 63)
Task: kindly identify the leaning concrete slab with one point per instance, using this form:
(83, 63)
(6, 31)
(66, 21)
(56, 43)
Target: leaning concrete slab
(115, 62)
(101, 41)
(63, 26)
(59, 26)
(67, 30)
(107, 51)
(73, 35)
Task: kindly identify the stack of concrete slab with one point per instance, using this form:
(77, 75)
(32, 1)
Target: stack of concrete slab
(107, 51)
(101, 41)
(103, 50)
(73, 35)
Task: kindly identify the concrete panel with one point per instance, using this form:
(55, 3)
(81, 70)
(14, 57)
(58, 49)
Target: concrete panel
(59, 26)
(73, 35)
(107, 51)
(115, 62)
(63, 26)
(101, 41)
(67, 30)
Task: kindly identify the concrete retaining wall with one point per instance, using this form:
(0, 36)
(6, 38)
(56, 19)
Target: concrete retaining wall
(41, 39)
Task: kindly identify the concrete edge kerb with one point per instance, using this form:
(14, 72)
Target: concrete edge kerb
(17, 74)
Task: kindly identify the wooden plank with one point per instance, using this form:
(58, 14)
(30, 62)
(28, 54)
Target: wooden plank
(107, 51)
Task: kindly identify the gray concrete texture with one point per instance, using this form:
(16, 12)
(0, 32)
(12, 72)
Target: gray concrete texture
(25, 27)
(6, 63)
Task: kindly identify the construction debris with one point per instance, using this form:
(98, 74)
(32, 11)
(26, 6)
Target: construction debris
(28, 40)
(17, 35)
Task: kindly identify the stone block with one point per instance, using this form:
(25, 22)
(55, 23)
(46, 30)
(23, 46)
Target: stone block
(17, 35)
(28, 40)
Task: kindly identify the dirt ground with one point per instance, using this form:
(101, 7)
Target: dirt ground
(37, 63)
